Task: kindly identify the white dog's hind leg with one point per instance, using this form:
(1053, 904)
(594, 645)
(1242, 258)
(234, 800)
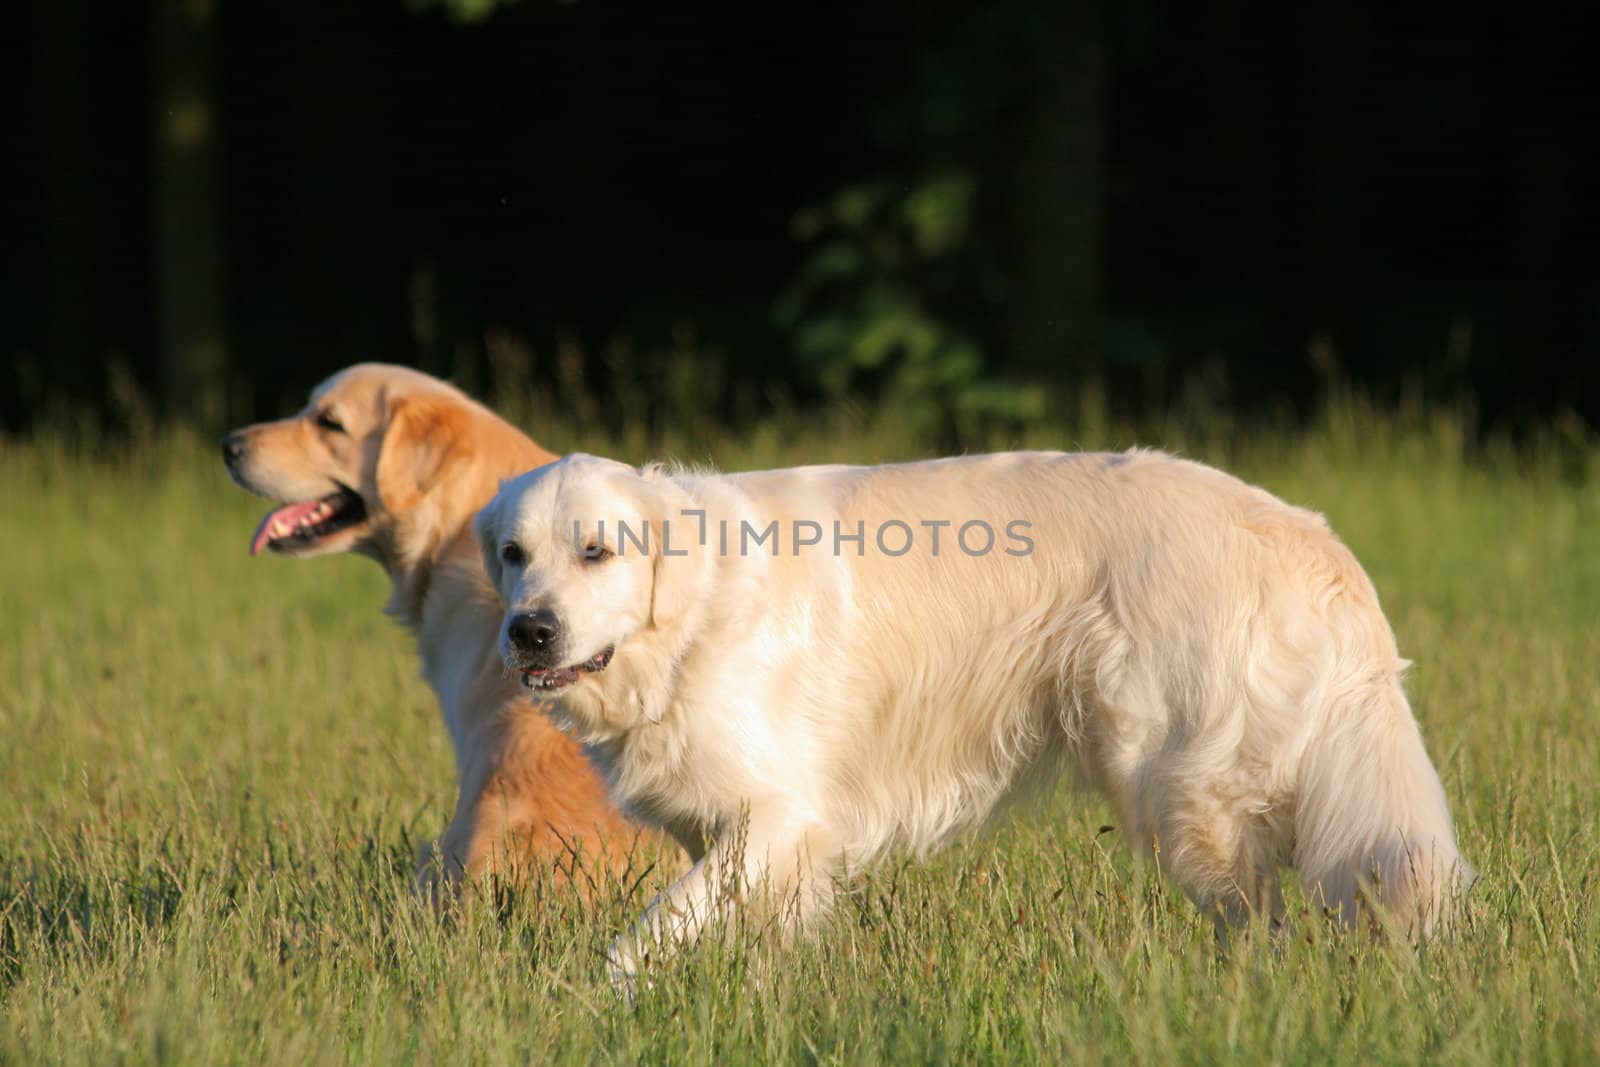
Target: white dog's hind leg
(1212, 846)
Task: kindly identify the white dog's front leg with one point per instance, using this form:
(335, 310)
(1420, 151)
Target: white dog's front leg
(675, 916)
(765, 863)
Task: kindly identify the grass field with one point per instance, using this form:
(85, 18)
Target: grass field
(216, 770)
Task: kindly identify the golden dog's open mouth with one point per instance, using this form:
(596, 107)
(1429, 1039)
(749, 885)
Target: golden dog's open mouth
(299, 526)
(554, 678)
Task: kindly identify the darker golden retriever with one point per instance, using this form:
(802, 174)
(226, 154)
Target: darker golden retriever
(390, 463)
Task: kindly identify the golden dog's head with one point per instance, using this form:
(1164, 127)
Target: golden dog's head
(382, 459)
(585, 555)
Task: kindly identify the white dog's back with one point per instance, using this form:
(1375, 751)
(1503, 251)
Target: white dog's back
(1214, 659)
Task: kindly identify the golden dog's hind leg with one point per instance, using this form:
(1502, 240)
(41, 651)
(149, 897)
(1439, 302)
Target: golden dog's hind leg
(513, 826)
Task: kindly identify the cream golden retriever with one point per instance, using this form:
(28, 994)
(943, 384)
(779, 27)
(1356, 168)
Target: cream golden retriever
(391, 463)
(826, 663)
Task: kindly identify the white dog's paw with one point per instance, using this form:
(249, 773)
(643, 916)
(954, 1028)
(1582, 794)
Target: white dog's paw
(627, 957)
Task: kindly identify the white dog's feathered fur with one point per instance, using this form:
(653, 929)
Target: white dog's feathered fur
(1212, 659)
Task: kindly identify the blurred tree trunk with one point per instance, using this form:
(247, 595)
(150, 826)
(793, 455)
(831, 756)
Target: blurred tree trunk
(1332, 65)
(1060, 192)
(185, 203)
(74, 214)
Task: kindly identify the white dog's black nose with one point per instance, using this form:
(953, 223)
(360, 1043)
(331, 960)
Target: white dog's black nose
(534, 631)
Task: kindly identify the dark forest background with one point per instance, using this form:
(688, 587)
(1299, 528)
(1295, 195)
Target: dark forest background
(968, 212)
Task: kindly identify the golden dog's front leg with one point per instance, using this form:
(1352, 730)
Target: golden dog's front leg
(441, 864)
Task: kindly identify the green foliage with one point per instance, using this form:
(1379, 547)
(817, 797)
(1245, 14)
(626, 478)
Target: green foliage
(217, 769)
(863, 308)
(466, 11)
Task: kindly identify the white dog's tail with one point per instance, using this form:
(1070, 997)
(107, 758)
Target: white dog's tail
(1372, 817)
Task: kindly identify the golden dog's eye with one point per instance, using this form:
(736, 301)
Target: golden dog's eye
(596, 553)
(512, 555)
(326, 420)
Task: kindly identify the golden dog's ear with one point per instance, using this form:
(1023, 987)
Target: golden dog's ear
(421, 437)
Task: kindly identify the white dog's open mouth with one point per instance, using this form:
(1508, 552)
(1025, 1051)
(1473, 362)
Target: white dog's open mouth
(299, 526)
(554, 678)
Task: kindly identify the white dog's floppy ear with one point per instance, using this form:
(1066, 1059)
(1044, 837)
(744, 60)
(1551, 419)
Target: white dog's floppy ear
(679, 556)
(670, 596)
(487, 526)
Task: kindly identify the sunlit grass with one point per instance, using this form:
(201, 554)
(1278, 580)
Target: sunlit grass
(216, 771)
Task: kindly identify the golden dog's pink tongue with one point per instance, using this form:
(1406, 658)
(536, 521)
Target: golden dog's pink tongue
(281, 523)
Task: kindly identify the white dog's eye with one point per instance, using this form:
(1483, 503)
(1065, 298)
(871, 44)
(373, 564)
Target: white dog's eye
(512, 555)
(326, 420)
(595, 553)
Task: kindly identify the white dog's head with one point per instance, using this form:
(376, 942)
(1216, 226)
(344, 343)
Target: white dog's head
(585, 553)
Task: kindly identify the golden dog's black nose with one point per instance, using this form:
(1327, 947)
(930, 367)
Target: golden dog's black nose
(534, 631)
(232, 447)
